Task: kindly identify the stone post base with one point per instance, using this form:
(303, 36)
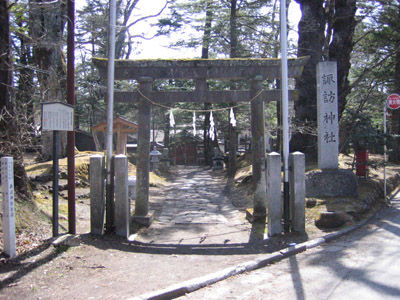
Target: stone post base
(331, 183)
(144, 220)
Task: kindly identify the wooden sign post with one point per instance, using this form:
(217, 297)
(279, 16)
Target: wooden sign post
(57, 117)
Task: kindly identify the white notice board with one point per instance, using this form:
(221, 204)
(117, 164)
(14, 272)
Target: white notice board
(57, 116)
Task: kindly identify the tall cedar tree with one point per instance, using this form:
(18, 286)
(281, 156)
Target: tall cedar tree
(334, 43)
(47, 22)
(9, 135)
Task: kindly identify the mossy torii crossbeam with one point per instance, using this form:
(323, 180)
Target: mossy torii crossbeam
(232, 68)
(200, 70)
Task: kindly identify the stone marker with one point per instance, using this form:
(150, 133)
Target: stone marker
(97, 200)
(297, 187)
(327, 115)
(122, 203)
(274, 198)
(7, 188)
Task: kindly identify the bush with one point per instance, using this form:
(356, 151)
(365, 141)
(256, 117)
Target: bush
(361, 132)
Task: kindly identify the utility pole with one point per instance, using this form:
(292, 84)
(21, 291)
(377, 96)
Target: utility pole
(110, 116)
(285, 117)
(71, 101)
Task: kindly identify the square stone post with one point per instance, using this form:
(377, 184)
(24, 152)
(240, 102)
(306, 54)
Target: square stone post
(8, 207)
(297, 189)
(97, 200)
(258, 149)
(143, 153)
(327, 115)
(274, 194)
(122, 203)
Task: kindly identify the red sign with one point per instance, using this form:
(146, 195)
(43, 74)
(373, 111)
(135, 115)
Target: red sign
(393, 101)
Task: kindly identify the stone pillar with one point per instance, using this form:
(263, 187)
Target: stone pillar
(258, 149)
(8, 208)
(274, 194)
(327, 115)
(297, 166)
(143, 150)
(122, 203)
(121, 142)
(97, 200)
(142, 215)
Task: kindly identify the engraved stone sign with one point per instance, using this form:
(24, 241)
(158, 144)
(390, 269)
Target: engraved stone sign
(327, 110)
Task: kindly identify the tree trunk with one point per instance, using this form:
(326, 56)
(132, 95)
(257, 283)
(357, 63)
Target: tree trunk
(208, 150)
(47, 26)
(342, 45)
(340, 16)
(310, 43)
(9, 141)
(5, 58)
(232, 133)
(123, 13)
(24, 94)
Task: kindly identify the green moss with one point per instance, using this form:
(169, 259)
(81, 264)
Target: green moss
(103, 59)
(102, 62)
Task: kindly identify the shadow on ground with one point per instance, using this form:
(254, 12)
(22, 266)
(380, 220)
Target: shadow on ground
(255, 246)
(355, 272)
(26, 263)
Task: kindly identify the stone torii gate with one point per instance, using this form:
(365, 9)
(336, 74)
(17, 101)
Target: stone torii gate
(255, 70)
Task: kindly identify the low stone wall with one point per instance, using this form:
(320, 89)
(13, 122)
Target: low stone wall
(378, 192)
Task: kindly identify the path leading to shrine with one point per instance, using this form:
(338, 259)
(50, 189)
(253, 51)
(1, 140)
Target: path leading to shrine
(196, 207)
(196, 197)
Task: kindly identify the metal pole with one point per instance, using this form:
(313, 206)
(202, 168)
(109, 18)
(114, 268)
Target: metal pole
(71, 101)
(384, 150)
(110, 109)
(285, 116)
(56, 143)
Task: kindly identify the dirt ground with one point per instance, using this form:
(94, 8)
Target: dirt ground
(196, 231)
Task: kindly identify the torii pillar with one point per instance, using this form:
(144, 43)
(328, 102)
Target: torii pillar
(142, 215)
(258, 148)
